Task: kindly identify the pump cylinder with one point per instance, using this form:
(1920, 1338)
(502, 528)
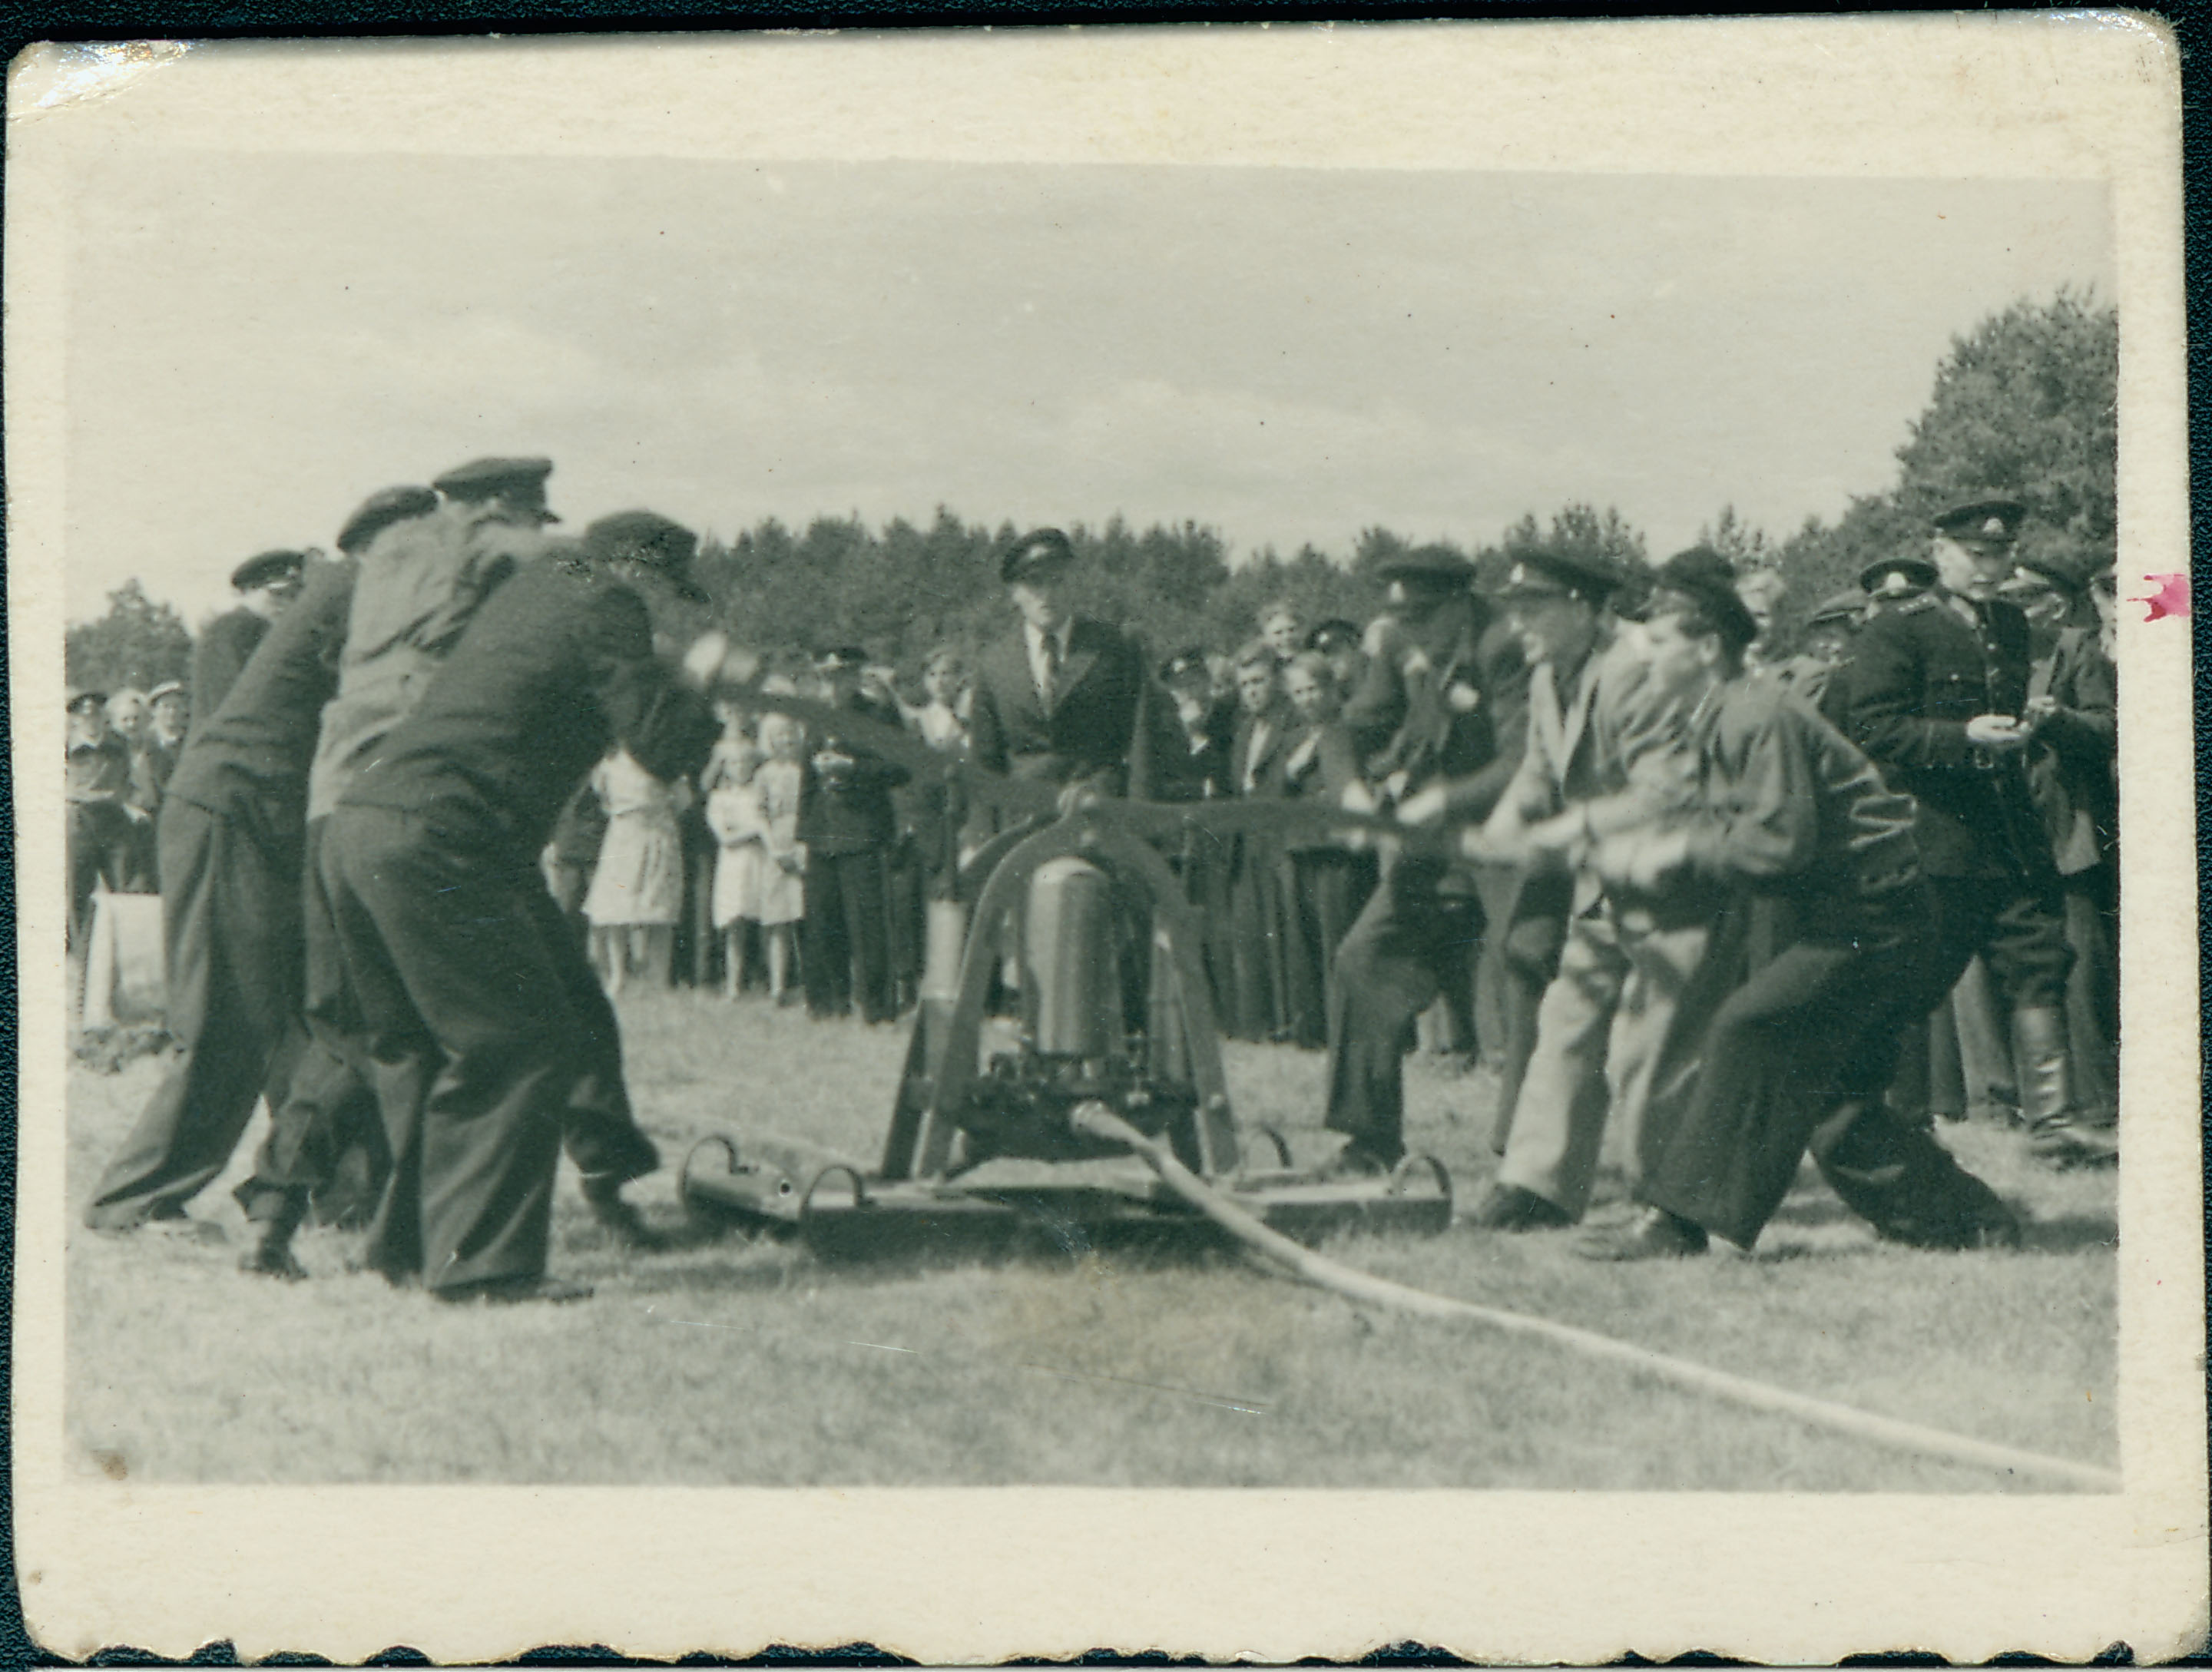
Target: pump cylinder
(1073, 966)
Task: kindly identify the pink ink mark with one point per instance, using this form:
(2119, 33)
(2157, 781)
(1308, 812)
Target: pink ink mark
(2170, 597)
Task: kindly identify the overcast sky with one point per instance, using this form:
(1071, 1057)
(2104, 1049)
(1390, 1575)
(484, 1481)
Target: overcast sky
(256, 343)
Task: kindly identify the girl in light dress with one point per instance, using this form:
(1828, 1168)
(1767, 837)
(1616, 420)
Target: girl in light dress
(637, 887)
(733, 809)
(759, 880)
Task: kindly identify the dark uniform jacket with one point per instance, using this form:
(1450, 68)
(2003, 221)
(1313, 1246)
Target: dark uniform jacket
(2074, 763)
(1424, 709)
(1781, 802)
(1189, 766)
(554, 669)
(1098, 713)
(223, 650)
(845, 802)
(248, 756)
(1918, 673)
(1319, 763)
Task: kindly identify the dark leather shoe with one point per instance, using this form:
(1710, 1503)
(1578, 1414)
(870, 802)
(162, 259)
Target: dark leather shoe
(1510, 1208)
(514, 1291)
(1654, 1234)
(272, 1257)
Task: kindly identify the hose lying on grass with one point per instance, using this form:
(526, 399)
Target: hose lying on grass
(1324, 1272)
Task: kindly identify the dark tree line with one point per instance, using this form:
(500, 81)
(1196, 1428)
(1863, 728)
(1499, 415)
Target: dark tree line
(2024, 404)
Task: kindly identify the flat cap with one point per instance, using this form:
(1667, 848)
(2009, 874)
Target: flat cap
(841, 659)
(266, 567)
(1837, 606)
(520, 483)
(1040, 551)
(380, 510)
(1552, 570)
(1898, 575)
(649, 538)
(1992, 521)
(88, 697)
(1185, 664)
(1708, 579)
(1335, 635)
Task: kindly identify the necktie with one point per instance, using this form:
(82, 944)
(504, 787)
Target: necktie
(1051, 666)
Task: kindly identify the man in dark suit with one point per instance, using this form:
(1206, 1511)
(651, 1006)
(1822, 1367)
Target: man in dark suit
(1062, 698)
(266, 585)
(232, 830)
(478, 1005)
(1938, 697)
(1422, 722)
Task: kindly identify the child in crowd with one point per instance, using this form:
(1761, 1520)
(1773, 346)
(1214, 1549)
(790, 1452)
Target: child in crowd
(637, 890)
(779, 782)
(733, 814)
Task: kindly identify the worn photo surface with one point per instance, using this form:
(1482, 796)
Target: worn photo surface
(844, 822)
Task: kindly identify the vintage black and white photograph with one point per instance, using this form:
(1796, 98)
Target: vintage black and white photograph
(858, 819)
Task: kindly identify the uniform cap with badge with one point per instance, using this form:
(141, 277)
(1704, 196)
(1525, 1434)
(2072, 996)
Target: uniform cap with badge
(1424, 574)
(652, 541)
(1037, 554)
(267, 568)
(380, 510)
(1902, 575)
(1334, 635)
(1186, 667)
(1838, 609)
(1554, 572)
(517, 483)
(86, 697)
(1987, 522)
(841, 659)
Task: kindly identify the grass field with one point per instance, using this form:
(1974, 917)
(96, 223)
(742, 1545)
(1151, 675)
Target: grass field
(726, 1362)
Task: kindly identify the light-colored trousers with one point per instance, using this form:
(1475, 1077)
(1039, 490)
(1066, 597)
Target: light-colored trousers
(1617, 1042)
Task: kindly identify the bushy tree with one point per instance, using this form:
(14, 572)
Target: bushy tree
(139, 642)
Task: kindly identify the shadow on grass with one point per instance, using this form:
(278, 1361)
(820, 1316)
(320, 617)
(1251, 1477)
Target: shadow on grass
(2070, 1235)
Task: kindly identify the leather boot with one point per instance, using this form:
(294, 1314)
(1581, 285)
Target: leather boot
(2056, 1131)
(271, 1254)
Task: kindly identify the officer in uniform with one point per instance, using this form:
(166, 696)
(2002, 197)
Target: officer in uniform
(265, 585)
(480, 1010)
(1938, 695)
(1424, 726)
(1827, 639)
(848, 822)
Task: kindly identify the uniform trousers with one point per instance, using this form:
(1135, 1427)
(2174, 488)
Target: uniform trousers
(483, 1041)
(1528, 918)
(1617, 1036)
(2017, 925)
(2093, 989)
(230, 934)
(1800, 1054)
(98, 839)
(1389, 969)
(847, 954)
(1324, 890)
(326, 1141)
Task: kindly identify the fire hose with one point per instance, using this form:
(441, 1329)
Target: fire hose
(1364, 1287)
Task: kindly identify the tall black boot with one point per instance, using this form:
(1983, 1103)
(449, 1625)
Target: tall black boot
(2057, 1132)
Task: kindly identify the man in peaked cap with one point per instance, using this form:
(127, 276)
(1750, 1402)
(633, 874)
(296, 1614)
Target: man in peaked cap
(1825, 643)
(1339, 640)
(265, 585)
(1597, 725)
(1434, 724)
(1772, 804)
(1062, 697)
(490, 1034)
(420, 573)
(1939, 688)
(516, 486)
(1897, 579)
(849, 823)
